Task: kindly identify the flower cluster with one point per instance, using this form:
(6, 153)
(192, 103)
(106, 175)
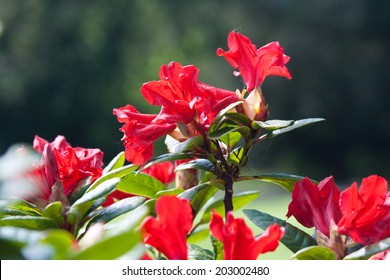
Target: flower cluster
(76, 207)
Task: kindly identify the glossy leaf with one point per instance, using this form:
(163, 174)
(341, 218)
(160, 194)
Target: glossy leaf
(272, 125)
(239, 200)
(117, 162)
(82, 206)
(55, 211)
(221, 114)
(117, 173)
(287, 181)
(175, 191)
(314, 253)
(167, 157)
(29, 222)
(60, 241)
(196, 252)
(219, 133)
(238, 118)
(294, 238)
(370, 250)
(141, 184)
(202, 164)
(19, 208)
(295, 125)
(177, 147)
(199, 233)
(199, 195)
(217, 248)
(118, 208)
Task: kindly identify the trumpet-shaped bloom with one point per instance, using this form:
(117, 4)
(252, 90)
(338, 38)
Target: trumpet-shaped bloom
(238, 240)
(366, 212)
(187, 108)
(314, 205)
(254, 64)
(168, 232)
(72, 164)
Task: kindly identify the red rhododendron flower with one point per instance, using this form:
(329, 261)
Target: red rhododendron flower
(314, 205)
(237, 238)
(187, 108)
(168, 232)
(255, 64)
(366, 212)
(140, 132)
(72, 164)
(163, 171)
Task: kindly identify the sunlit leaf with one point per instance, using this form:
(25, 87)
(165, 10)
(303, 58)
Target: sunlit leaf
(55, 211)
(272, 125)
(196, 252)
(117, 162)
(141, 184)
(217, 134)
(177, 147)
(29, 222)
(82, 206)
(295, 125)
(200, 163)
(19, 208)
(294, 238)
(217, 248)
(238, 118)
(314, 253)
(174, 191)
(167, 157)
(370, 250)
(221, 114)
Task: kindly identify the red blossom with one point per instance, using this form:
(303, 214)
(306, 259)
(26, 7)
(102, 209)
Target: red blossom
(366, 212)
(140, 132)
(237, 238)
(314, 205)
(70, 165)
(254, 64)
(168, 232)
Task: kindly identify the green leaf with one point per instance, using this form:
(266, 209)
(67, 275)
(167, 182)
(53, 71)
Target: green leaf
(196, 252)
(115, 163)
(118, 208)
(80, 189)
(239, 200)
(314, 253)
(55, 211)
(167, 157)
(19, 208)
(120, 237)
(370, 250)
(117, 173)
(238, 118)
(295, 125)
(60, 241)
(217, 248)
(199, 233)
(294, 238)
(174, 192)
(200, 163)
(287, 181)
(217, 134)
(177, 147)
(221, 114)
(82, 206)
(141, 184)
(29, 222)
(236, 154)
(199, 195)
(272, 125)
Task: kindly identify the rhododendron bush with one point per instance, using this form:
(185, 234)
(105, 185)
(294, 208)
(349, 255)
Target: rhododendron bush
(64, 202)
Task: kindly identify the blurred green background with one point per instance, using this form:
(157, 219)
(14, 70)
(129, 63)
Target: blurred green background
(64, 65)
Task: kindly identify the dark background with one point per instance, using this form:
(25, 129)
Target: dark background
(64, 65)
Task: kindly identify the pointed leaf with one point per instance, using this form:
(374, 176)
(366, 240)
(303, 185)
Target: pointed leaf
(117, 162)
(221, 114)
(141, 184)
(293, 238)
(314, 253)
(29, 222)
(116, 209)
(196, 252)
(19, 208)
(238, 118)
(82, 206)
(117, 173)
(219, 133)
(287, 181)
(166, 157)
(177, 147)
(239, 200)
(272, 125)
(217, 248)
(55, 211)
(200, 163)
(295, 125)
(370, 250)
